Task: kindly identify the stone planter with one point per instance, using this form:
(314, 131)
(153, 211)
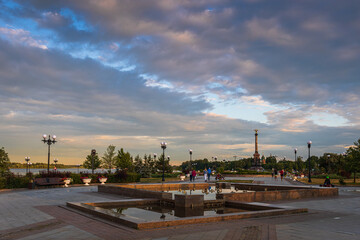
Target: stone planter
(182, 178)
(67, 182)
(86, 181)
(102, 180)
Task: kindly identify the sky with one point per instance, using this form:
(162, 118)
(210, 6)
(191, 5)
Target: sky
(199, 75)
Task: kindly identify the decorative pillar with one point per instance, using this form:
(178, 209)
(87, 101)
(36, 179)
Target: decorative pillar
(256, 162)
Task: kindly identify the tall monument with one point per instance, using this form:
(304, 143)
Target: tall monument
(256, 163)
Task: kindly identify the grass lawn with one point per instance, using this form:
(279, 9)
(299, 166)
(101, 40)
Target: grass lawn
(318, 181)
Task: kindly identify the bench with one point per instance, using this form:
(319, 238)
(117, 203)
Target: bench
(48, 181)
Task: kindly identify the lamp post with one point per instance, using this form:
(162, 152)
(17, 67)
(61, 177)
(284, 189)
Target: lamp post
(190, 164)
(27, 159)
(49, 141)
(163, 146)
(309, 146)
(78, 165)
(55, 161)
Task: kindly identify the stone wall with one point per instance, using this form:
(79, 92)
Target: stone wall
(268, 196)
(132, 192)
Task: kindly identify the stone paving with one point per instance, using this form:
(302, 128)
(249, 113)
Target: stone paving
(40, 214)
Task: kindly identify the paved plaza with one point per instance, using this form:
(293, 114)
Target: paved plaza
(41, 214)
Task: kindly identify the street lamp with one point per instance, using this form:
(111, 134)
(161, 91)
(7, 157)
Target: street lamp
(78, 165)
(49, 141)
(295, 151)
(55, 161)
(27, 159)
(190, 163)
(309, 146)
(163, 146)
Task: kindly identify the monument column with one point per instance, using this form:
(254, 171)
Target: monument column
(256, 162)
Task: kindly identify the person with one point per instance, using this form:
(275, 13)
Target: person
(327, 182)
(281, 174)
(219, 177)
(193, 175)
(272, 173)
(205, 175)
(275, 174)
(209, 173)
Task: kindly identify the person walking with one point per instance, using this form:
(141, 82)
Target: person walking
(205, 175)
(209, 173)
(281, 174)
(190, 172)
(193, 175)
(275, 174)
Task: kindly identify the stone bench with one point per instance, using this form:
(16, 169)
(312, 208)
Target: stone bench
(48, 181)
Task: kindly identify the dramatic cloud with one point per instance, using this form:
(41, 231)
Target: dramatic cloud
(200, 74)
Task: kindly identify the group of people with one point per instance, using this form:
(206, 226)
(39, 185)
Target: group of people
(192, 175)
(207, 174)
(275, 174)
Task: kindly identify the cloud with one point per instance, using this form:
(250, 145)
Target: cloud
(145, 70)
(270, 30)
(20, 36)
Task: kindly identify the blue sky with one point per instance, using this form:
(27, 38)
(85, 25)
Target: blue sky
(197, 74)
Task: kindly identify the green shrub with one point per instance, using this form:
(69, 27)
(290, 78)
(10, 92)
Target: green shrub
(133, 177)
(2, 182)
(16, 181)
(167, 175)
(323, 176)
(75, 178)
(341, 181)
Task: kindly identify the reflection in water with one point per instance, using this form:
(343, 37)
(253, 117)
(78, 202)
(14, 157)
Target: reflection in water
(208, 192)
(151, 212)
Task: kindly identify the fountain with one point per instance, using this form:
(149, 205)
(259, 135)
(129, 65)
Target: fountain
(162, 205)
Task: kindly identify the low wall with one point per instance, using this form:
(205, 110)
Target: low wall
(149, 190)
(263, 187)
(267, 196)
(132, 192)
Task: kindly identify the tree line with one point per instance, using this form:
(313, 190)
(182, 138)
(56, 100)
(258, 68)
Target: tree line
(122, 160)
(345, 164)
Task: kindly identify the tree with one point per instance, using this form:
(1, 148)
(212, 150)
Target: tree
(138, 164)
(108, 160)
(353, 158)
(87, 163)
(143, 169)
(159, 164)
(123, 160)
(4, 162)
(299, 165)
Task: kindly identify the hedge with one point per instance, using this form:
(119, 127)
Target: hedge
(18, 181)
